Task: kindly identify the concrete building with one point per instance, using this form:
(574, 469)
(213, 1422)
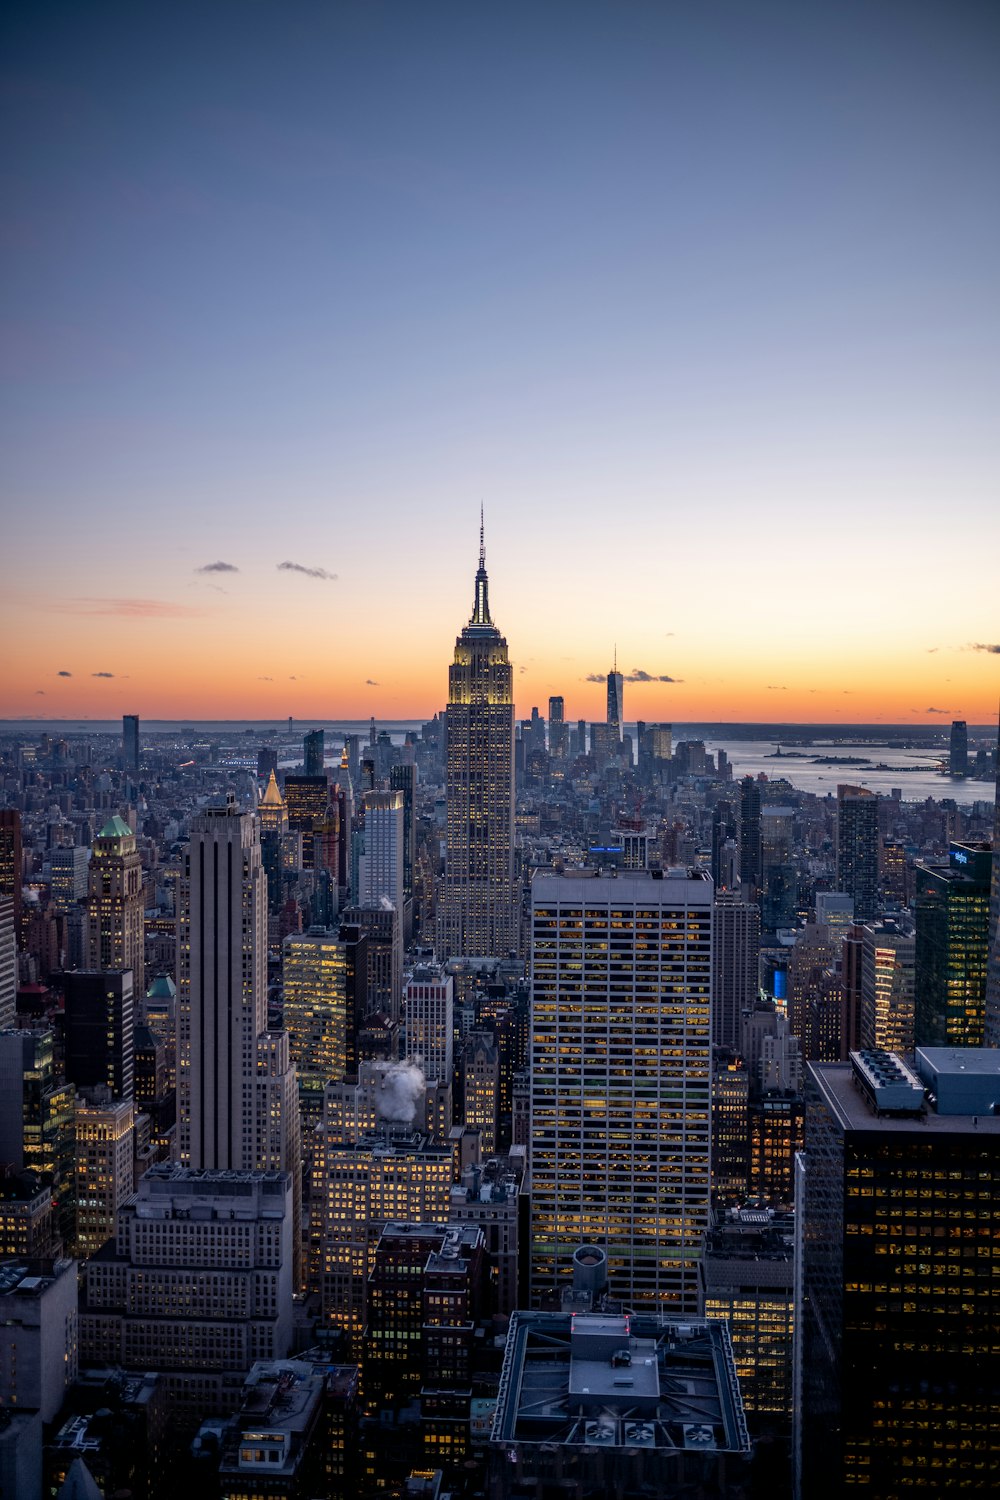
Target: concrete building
(625, 1405)
(115, 908)
(105, 1167)
(491, 1195)
(38, 1335)
(197, 1284)
(621, 1078)
(429, 1015)
(274, 1446)
(888, 957)
(734, 966)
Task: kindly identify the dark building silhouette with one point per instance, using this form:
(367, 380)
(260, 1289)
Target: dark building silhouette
(99, 1030)
(958, 752)
(130, 742)
(314, 746)
(953, 922)
(858, 849)
(751, 852)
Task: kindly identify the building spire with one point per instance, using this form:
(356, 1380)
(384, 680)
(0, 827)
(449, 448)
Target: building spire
(481, 608)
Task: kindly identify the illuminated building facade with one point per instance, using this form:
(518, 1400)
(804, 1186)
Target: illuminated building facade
(620, 1079)
(747, 1278)
(315, 971)
(730, 1128)
(11, 859)
(992, 1027)
(898, 1202)
(115, 903)
(429, 1012)
(952, 910)
(888, 954)
(306, 798)
(105, 1169)
(477, 907)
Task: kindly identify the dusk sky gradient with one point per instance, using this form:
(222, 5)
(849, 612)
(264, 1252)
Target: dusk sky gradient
(700, 300)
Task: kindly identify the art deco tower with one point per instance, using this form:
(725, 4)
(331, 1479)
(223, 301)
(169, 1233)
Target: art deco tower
(477, 913)
(115, 904)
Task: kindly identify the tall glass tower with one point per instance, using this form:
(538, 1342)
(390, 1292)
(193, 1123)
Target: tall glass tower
(477, 912)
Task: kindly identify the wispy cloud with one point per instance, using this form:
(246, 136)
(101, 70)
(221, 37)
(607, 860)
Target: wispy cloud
(775, 687)
(265, 679)
(637, 674)
(932, 650)
(102, 674)
(39, 692)
(935, 710)
(370, 682)
(294, 567)
(991, 647)
(218, 567)
(64, 674)
(133, 609)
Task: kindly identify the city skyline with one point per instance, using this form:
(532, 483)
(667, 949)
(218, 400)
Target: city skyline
(702, 307)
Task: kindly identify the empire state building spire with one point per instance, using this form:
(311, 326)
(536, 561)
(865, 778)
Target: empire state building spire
(481, 608)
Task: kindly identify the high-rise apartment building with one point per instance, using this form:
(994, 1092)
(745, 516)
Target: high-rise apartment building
(952, 910)
(130, 743)
(477, 907)
(858, 849)
(620, 1079)
(115, 935)
(898, 1217)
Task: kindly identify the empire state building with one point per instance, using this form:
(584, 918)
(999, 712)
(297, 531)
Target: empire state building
(477, 912)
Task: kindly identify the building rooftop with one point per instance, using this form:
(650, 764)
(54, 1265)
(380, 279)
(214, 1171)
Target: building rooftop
(115, 828)
(632, 1382)
(849, 1107)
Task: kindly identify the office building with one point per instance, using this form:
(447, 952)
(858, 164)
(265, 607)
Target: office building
(858, 849)
(11, 859)
(275, 1446)
(958, 750)
(380, 867)
(68, 876)
(98, 1027)
(834, 911)
(730, 1128)
(888, 955)
(130, 743)
(39, 1350)
(748, 1279)
(599, 1404)
(897, 1370)
(734, 966)
(481, 1088)
(952, 912)
(115, 906)
(558, 729)
(992, 1027)
(616, 701)
(380, 926)
(621, 1078)
(394, 1173)
(776, 1124)
(105, 1167)
(489, 1194)
(313, 746)
(403, 779)
(317, 1012)
(197, 1283)
(27, 1222)
(8, 963)
(478, 911)
(37, 1109)
(751, 853)
(429, 1015)
(306, 798)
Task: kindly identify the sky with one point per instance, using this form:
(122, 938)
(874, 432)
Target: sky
(699, 300)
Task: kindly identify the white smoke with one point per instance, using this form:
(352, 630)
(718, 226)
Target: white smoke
(402, 1093)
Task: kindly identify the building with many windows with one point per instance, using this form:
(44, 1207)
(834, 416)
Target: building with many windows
(952, 910)
(115, 934)
(621, 1078)
(477, 905)
(888, 954)
(316, 1012)
(858, 849)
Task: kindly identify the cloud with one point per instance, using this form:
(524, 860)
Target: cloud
(932, 649)
(935, 710)
(39, 692)
(265, 679)
(992, 648)
(773, 687)
(64, 674)
(638, 675)
(102, 674)
(218, 567)
(595, 677)
(370, 682)
(134, 609)
(293, 567)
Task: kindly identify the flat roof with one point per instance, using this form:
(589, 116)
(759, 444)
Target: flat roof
(836, 1085)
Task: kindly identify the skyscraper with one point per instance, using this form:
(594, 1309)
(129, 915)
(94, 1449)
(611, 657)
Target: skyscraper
(8, 963)
(620, 1079)
(751, 852)
(130, 742)
(558, 729)
(958, 750)
(313, 746)
(317, 1011)
(858, 849)
(993, 959)
(616, 700)
(115, 936)
(477, 908)
(887, 1003)
(952, 911)
(737, 950)
(99, 1027)
(11, 859)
